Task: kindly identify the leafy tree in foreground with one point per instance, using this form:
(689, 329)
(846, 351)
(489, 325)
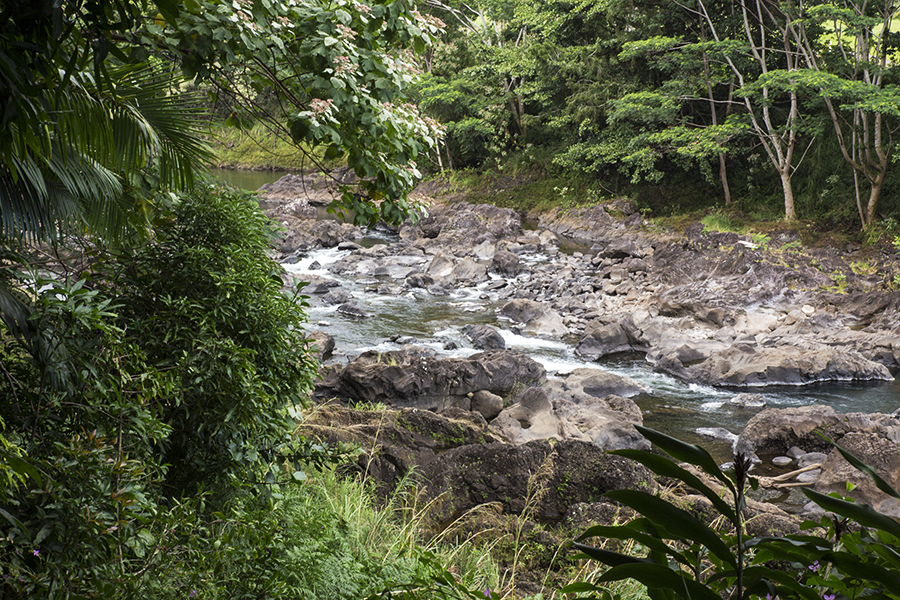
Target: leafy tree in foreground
(331, 74)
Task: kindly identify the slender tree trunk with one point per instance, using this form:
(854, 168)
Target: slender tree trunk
(789, 213)
(723, 177)
(874, 195)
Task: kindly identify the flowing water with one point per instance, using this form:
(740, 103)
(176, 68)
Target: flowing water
(436, 322)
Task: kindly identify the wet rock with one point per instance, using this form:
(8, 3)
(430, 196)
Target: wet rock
(484, 337)
(747, 401)
(351, 309)
(717, 433)
(419, 280)
(399, 378)
(337, 296)
(782, 461)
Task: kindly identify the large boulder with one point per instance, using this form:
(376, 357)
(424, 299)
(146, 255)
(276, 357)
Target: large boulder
(584, 384)
(583, 406)
(602, 339)
(323, 344)
(505, 263)
(538, 319)
(774, 431)
(484, 337)
(462, 226)
(543, 479)
(404, 379)
(746, 365)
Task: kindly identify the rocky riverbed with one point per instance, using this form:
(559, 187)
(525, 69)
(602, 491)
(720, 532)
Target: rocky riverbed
(707, 308)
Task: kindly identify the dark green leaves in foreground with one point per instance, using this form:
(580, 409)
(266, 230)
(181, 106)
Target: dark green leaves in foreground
(680, 556)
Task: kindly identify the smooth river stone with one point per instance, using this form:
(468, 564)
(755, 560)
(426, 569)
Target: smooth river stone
(782, 461)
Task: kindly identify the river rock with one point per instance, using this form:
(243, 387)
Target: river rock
(484, 337)
(505, 263)
(744, 365)
(441, 266)
(401, 379)
(487, 404)
(323, 344)
(581, 406)
(538, 318)
(810, 458)
(602, 339)
(469, 272)
(546, 479)
(531, 418)
(337, 296)
(417, 279)
(747, 401)
(776, 431)
(585, 383)
(462, 226)
(305, 234)
(876, 451)
(351, 309)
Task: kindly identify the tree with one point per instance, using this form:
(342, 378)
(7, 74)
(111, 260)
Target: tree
(847, 49)
(338, 74)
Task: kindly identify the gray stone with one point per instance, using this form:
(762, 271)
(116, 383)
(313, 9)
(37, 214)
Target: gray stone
(484, 337)
(782, 461)
(810, 458)
(486, 403)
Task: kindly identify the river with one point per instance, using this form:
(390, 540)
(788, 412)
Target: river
(674, 406)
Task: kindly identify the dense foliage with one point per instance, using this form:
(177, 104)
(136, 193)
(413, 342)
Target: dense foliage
(752, 102)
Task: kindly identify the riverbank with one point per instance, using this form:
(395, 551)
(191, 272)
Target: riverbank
(681, 300)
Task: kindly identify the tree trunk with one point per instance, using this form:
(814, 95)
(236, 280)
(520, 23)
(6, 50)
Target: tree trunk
(874, 195)
(789, 213)
(723, 177)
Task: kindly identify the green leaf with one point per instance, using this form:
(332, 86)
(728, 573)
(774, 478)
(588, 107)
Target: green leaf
(665, 467)
(861, 513)
(675, 521)
(608, 557)
(880, 483)
(689, 453)
(657, 576)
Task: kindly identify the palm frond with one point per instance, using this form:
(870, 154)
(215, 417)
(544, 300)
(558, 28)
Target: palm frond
(72, 162)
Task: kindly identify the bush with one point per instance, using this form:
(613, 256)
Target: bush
(165, 372)
(204, 304)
